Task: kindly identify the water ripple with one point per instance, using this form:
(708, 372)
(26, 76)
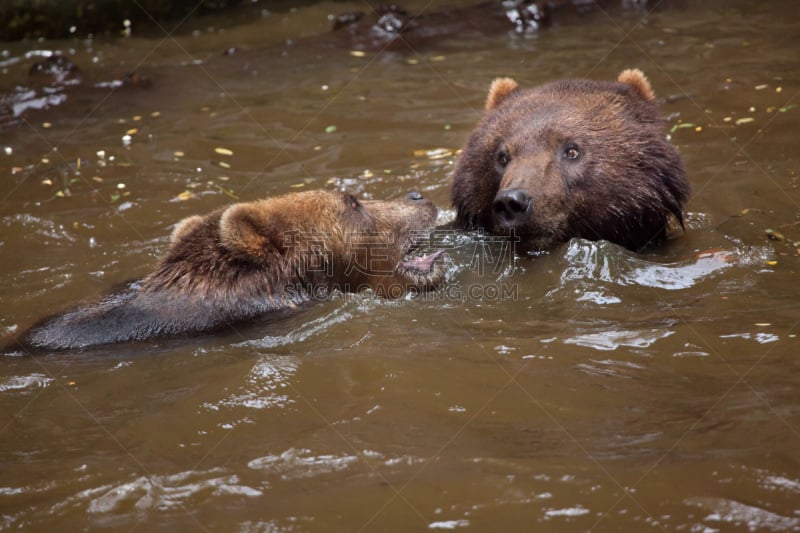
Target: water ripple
(263, 385)
(611, 340)
(25, 383)
(594, 270)
(164, 492)
(302, 463)
(302, 333)
(723, 511)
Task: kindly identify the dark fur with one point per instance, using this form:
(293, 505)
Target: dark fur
(624, 187)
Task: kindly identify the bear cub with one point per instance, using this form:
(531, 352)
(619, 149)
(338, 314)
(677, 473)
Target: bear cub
(572, 158)
(252, 258)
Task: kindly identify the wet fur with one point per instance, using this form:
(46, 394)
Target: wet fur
(625, 187)
(244, 261)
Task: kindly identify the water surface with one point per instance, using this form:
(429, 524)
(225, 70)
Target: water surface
(596, 388)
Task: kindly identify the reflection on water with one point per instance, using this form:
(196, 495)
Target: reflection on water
(584, 388)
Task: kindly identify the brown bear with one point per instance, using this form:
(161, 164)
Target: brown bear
(572, 158)
(251, 258)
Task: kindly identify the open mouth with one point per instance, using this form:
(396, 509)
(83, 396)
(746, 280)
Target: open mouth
(422, 264)
(423, 270)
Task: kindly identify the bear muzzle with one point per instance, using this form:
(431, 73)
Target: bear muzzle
(511, 208)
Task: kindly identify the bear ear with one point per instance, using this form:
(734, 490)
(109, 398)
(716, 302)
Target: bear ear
(185, 227)
(636, 80)
(251, 230)
(499, 91)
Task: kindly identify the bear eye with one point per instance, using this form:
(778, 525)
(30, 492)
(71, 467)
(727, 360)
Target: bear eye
(503, 159)
(571, 152)
(353, 202)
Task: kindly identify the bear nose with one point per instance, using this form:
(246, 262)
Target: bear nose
(511, 207)
(414, 195)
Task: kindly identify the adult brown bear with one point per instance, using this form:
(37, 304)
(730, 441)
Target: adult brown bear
(253, 258)
(573, 158)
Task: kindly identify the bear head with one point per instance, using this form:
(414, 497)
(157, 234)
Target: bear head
(308, 239)
(573, 158)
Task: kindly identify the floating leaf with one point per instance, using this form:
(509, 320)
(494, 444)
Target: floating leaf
(357, 53)
(681, 126)
(744, 120)
(786, 108)
(229, 192)
(223, 151)
(433, 153)
(185, 195)
(774, 235)
(330, 129)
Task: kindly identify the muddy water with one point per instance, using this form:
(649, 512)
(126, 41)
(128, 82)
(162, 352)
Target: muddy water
(588, 387)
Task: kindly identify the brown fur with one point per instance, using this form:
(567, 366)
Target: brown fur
(499, 91)
(636, 79)
(584, 158)
(184, 228)
(252, 258)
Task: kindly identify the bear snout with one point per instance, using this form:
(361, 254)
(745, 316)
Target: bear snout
(511, 208)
